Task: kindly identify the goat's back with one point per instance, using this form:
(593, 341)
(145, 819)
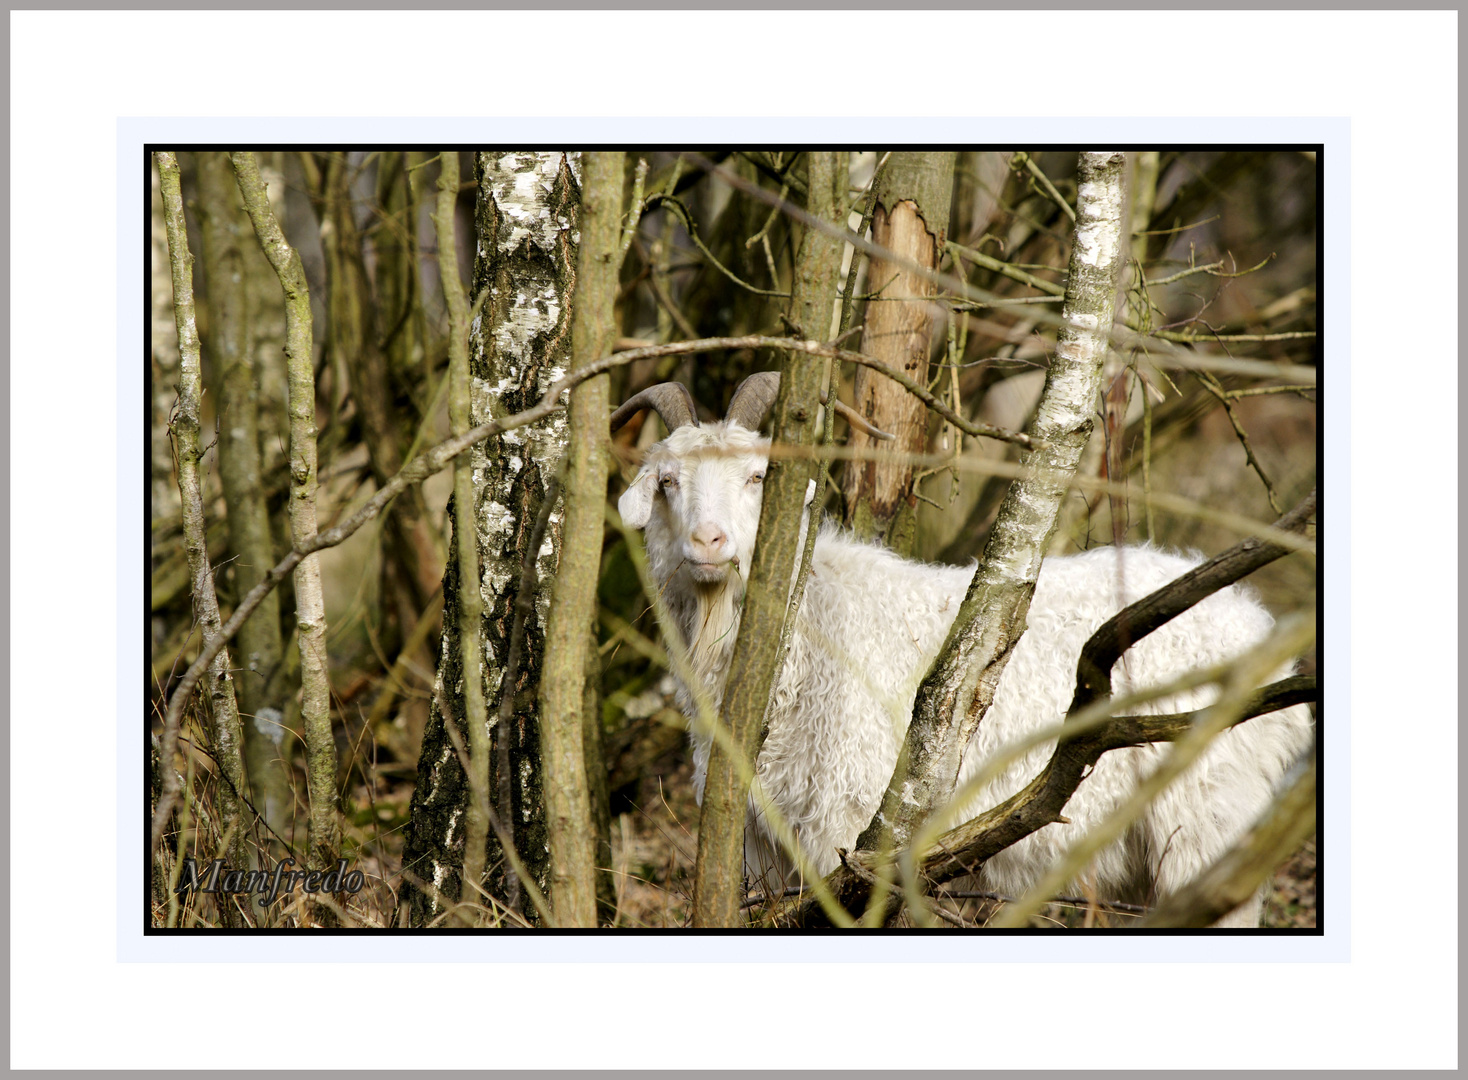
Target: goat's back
(1206, 809)
(869, 628)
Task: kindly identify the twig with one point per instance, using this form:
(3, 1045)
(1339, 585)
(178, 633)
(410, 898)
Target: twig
(765, 228)
(868, 211)
(1028, 162)
(1136, 621)
(1003, 301)
(1009, 270)
(1212, 385)
(1213, 269)
(661, 295)
(1255, 391)
(1182, 338)
(1076, 901)
(635, 214)
(1178, 228)
(1181, 358)
(658, 199)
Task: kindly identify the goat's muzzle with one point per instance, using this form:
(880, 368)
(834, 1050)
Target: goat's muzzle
(708, 553)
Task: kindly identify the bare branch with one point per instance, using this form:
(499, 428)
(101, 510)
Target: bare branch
(1232, 880)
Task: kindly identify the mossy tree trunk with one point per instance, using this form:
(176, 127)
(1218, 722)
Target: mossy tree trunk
(227, 242)
(321, 756)
(568, 729)
(223, 710)
(719, 867)
(526, 221)
(910, 219)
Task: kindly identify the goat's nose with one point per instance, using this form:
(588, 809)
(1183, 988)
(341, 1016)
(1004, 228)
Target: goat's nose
(707, 542)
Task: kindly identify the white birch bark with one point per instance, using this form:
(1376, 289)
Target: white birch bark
(526, 219)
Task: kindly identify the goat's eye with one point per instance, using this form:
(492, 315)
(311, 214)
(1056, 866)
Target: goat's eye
(757, 478)
(667, 480)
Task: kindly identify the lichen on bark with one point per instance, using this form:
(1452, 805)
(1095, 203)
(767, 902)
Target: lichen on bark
(224, 732)
(321, 755)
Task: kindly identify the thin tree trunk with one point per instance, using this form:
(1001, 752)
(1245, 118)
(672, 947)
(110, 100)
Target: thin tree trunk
(395, 276)
(225, 732)
(321, 757)
(960, 687)
(526, 222)
(910, 219)
(570, 630)
(251, 546)
(162, 489)
(720, 863)
(466, 550)
(410, 563)
(1144, 198)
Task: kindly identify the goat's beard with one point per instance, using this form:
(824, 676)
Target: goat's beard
(711, 625)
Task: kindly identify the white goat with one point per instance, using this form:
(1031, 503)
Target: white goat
(871, 624)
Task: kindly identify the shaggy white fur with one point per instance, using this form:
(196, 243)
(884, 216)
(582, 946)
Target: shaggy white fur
(869, 627)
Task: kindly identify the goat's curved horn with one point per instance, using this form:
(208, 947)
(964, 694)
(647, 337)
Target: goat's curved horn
(754, 396)
(752, 399)
(670, 400)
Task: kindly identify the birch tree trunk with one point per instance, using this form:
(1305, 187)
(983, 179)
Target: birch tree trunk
(960, 687)
(526, 220)
(231, 342)
(321, 757)
(719, 867)
(910, 219)
(225, 729)
(570, 632)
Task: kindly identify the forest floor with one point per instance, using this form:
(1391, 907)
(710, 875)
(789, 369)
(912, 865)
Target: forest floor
(654, 843)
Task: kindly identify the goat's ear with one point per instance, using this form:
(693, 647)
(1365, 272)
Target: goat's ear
(810, 492)
(635, 505)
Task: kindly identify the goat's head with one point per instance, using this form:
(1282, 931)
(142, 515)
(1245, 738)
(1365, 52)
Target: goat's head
(699, 491)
